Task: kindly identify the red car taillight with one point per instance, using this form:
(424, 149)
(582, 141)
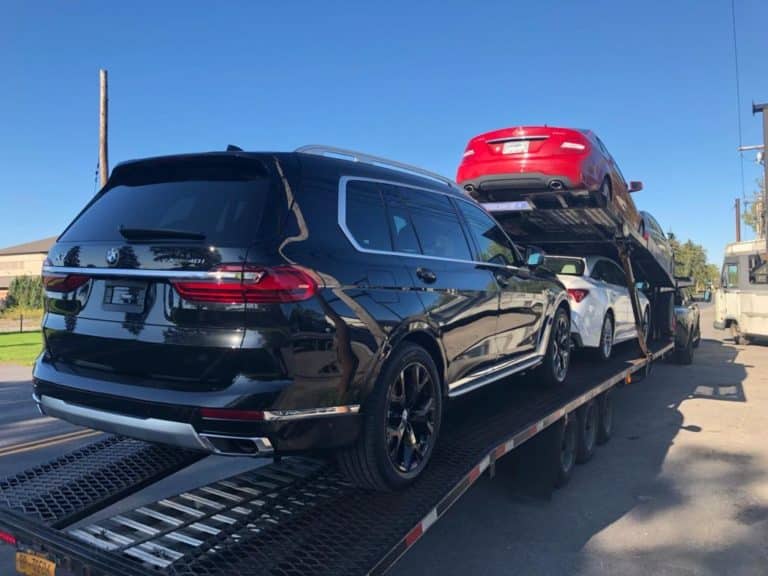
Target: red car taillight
(576, 146)
(235, 284)
(63, 282)
(577, 294)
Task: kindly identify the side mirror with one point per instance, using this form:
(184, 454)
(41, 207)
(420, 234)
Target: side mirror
(635, 186)
(535, 259)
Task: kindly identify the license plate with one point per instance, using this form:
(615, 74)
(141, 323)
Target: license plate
(125, 296)
(508, 206)
(515, 147)
(31, 564)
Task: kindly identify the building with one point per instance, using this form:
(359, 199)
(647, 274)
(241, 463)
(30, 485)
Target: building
(22, 260)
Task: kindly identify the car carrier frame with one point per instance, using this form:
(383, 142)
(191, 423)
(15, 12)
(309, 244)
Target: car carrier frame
(300, 515)
(296, 515)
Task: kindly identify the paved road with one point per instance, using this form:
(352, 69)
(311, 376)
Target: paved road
(682, 489)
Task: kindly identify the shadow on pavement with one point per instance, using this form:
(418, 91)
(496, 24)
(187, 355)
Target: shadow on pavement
(498, 529)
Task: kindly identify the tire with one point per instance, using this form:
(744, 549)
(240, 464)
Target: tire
(685, 355)
(604, 417)
(738, 337)
(383, 457)
(554, 368)
(646, 326)
(586, 427)
(606, 193)
(605, 347)
(697, 339)
(567, 458)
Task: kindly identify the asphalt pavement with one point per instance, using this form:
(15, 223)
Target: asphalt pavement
(681, 489)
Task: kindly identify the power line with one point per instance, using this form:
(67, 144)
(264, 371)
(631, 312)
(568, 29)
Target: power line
(738, 93)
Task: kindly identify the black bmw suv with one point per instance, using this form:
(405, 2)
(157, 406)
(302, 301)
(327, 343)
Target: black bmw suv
(267, 303)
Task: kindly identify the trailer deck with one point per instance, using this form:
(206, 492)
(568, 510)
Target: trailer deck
(295, 516)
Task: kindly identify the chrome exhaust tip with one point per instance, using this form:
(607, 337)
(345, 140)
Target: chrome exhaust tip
(556, 185)
(236, 445)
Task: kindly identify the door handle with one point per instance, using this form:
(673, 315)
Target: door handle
(426, 275)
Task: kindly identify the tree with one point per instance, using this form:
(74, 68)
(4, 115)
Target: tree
(691, 261)
(25, 292)
(753, 211)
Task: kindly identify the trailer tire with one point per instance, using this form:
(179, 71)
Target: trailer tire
(605, 347)
(738, 337)
(586, 439)
(567, 452)
(604, 417)
(368, 462)
(554, 368)
(685, 355)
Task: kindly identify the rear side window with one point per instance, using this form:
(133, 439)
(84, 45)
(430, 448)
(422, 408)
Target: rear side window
(437, 224)
(366, 217)
(566, 266)
(401, 226)
(491, 242)
(224, 211)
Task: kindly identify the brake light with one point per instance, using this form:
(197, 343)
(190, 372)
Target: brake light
(7, 538)
(237, 284)
(572, 146)
(63, 282)
(646, 236)
(227, 414)
(577, 294)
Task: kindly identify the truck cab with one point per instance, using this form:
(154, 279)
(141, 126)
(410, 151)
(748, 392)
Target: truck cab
(741, 301)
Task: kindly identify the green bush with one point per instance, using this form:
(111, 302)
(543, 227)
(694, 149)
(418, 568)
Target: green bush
(25, 292)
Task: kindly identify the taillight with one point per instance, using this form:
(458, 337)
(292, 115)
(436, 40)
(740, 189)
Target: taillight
(7, 538)
(235, 284)
(572, 146)
(468, 152)
(63, 282)
(227, 414)
(577, 294)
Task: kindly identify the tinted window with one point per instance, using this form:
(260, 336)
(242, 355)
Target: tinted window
(598, 271)
(615, 275)
(437, 224)
(400, 223)
(567, 266)
(366, 217)
(226, 212)
(491, 242)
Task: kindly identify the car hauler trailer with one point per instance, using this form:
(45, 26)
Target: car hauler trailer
(296, 515)
(299, 515)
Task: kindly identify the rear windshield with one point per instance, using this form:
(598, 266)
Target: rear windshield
(224, 211)
(567, 266)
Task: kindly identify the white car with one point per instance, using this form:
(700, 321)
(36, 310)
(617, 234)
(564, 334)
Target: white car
(601, 309)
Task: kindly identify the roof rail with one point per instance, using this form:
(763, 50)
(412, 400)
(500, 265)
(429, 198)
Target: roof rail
(322, 150)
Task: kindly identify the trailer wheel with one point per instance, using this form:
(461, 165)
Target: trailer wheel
(400, 424)
(604, 417)
(738, 337)
(685, 355)
(567, 451)
(606, 337)
(586, 439)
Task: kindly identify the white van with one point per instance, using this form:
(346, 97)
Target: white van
(741, 301)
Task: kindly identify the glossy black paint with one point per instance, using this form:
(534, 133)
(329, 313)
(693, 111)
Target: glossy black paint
(172, 356)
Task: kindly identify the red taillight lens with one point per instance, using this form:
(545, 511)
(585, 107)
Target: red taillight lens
(63, 282)
(577, 294)
(7, 538)
(236, 284)
(227, 414)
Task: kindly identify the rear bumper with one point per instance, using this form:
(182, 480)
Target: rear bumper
(173, 416)
(526, 181)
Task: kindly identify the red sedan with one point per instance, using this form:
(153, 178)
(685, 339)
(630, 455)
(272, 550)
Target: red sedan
(512, 163)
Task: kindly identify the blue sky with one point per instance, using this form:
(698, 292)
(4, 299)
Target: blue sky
(412, 81)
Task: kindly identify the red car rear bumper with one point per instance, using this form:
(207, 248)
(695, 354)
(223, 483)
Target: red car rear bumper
(523, 173)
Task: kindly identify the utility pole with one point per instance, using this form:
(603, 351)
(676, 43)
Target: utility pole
(755, 109)
(103, 117)
(738, 219)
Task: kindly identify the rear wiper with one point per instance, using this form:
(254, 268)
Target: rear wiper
(159, 234)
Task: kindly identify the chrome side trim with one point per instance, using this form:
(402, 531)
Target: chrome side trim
(323, 150)
(518, 365)
(150, 429)
(283, 415)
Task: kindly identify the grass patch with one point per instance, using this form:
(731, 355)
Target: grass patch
(20, 348)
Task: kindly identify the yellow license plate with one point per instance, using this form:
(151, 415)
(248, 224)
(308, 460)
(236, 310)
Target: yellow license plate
(31, 564)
